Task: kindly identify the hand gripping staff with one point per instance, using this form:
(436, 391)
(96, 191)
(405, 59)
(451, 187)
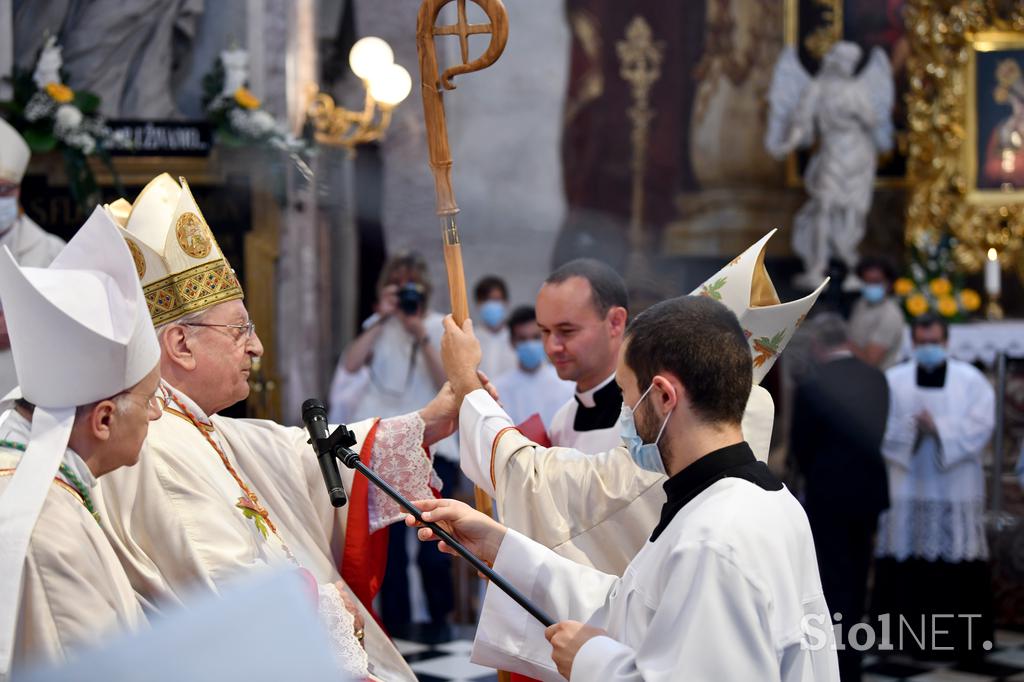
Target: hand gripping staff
(431, 83)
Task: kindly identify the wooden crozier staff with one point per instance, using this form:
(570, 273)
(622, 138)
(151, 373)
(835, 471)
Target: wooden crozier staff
(431, 82)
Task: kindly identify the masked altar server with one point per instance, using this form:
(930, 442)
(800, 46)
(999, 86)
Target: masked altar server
(216, 497)
(932, 551)
(726, 587)
(31, 245)
(599, 509)
(88, 361)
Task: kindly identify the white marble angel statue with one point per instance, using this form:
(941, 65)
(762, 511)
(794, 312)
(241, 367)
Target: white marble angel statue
(850, 118)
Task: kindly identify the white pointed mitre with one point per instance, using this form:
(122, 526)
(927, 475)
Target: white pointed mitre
(79, 329)
(745, 287)
(14, 153)
(177, 258)
(80, 332)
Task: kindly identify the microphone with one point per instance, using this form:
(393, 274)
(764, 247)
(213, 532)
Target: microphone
(314, 414)
(338, 445)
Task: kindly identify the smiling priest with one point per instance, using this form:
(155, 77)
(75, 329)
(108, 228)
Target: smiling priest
(88, 362)
(218, 497)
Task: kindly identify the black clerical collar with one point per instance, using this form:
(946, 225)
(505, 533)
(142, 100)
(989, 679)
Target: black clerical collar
(732, 461)
(931, 378)
(605, 412)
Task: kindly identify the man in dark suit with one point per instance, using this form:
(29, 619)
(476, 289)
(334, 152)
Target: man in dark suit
(839, 417)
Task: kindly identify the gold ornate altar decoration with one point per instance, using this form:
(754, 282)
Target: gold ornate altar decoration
(945, 41)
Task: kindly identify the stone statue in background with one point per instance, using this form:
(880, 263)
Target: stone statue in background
(124, 52)
(850, 118)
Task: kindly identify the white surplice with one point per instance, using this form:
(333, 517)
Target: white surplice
(729, 591)
(936, 485)
(597, 510)
(177, 527)
(540, 392)
(564, 433)
(31, 246)
(74, 592)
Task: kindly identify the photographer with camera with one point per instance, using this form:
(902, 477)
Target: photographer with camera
(398, 357)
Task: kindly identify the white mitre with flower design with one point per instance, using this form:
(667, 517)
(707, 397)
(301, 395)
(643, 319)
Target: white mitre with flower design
(745, 287)
(80, 332)
(176, 256)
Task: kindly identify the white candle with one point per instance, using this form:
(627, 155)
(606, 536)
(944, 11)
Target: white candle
(992, 275)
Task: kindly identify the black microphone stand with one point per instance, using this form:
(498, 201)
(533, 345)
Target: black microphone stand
(340, 443)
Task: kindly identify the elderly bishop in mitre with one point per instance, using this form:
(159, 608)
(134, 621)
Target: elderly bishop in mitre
(88, 362)
(217, 497)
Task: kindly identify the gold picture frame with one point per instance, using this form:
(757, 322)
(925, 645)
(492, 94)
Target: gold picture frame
(829, 26)
(987, 44)
(945, 40)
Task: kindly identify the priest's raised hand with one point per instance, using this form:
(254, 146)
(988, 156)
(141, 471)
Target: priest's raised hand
(460, 355)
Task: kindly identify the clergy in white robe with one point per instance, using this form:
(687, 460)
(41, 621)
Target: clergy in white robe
(941, 417)
(181, 523)
(74, 591)
(596, 509)
(31, 245)
(218, 497)
(88, 361)
(726, 587)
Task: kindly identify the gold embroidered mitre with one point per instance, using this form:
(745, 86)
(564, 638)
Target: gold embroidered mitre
(176, 256)
(745, 288)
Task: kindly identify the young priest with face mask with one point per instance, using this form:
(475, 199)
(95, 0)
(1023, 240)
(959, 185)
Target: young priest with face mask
(728, 581)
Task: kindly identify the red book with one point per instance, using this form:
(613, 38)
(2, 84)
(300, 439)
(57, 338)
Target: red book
(533, 428)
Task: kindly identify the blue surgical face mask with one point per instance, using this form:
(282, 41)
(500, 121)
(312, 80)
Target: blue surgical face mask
(873, 293)
(492, 313)
(8, 212)
(530, 353)
(646, 455)
(930, 355)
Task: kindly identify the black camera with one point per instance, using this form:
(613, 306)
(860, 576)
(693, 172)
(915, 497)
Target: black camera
(411, 298)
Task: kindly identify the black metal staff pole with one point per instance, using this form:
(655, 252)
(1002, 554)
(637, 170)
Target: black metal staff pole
(314, 414)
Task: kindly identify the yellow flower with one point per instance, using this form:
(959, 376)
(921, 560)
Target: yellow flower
(940, 286)
(903, 286)
(917, 305)
(970, 299)
(947, 306)
(60, 92)
(246, 99)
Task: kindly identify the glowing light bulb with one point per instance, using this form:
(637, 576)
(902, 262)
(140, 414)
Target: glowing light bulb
(370, 55)
(390, 85)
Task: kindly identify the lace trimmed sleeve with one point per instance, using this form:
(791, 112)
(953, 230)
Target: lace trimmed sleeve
(348, 652)
(399, 457)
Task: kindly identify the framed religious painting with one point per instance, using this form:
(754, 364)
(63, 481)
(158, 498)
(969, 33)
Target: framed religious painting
(993, 150)
(965, 109)
(813, 26)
